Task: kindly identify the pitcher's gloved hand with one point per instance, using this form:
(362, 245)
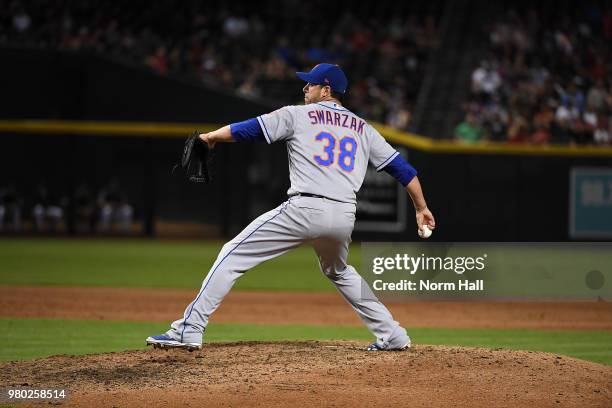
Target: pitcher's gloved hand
(197, 159)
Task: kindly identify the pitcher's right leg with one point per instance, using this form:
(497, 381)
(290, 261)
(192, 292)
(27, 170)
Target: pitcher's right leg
(332, 251)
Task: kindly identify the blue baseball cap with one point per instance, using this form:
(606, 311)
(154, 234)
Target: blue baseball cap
(326, 74)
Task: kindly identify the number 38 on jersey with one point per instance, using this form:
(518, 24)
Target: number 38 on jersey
(345, 155)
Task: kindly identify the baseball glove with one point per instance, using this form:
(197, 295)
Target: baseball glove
(197, 159)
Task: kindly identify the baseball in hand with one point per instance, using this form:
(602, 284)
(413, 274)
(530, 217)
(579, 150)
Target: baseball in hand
(425, 232)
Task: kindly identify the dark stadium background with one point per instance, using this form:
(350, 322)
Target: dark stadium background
(543, 108)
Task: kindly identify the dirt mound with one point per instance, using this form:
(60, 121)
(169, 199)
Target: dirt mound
(318, 374)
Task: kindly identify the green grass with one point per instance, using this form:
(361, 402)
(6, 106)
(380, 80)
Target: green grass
(32, 338)
(144, 263)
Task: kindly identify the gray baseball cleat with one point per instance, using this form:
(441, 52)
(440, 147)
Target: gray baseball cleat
(387, 347)
(376, 347)
(163, 341)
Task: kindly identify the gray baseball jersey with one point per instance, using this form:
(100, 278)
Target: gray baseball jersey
(329, 148)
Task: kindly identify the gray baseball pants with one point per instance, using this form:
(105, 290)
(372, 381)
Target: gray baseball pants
(326, 225)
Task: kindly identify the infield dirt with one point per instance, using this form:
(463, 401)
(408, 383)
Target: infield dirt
(318, 374)
(309, 373)
(276, 307)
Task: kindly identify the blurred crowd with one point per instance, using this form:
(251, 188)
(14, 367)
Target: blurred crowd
(252, 48)
(48, 211)
(547, 78)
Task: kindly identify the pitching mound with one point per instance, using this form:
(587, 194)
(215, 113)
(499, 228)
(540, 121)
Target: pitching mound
(318, 374)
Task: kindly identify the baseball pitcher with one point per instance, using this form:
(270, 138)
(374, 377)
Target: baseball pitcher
(329, 149)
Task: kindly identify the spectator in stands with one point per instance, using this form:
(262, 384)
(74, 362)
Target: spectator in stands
(21, 19)
(85, 208)
(10, 209)
(597, 97)
(518, 131)
(399, 117)
(494, 118)
(114, 208)
(542, 123)
(468, 131)
(541, 136)
(485, 80)
(48, 211)
(208, 43)
(602, 135)
(551, 76)
(158, 61)
(235, 26)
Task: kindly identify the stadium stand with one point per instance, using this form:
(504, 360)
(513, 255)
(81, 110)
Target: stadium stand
(544, 78)
(250, 48)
